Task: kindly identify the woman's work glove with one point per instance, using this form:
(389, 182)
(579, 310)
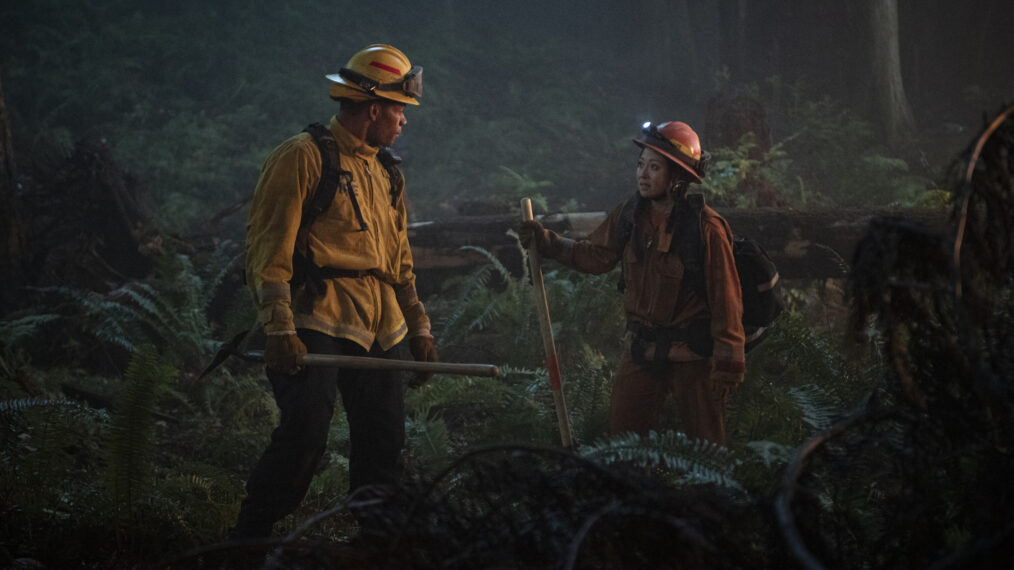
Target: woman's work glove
(281, 352)
(532, 233)
(724, 384)
(422, 351)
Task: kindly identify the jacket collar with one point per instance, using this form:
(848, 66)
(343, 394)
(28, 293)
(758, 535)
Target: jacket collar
(348, 143)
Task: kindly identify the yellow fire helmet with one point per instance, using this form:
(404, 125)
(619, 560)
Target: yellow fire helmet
(378, 70)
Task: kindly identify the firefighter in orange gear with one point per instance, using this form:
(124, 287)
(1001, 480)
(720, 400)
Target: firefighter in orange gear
(341, 282)
(682, 339)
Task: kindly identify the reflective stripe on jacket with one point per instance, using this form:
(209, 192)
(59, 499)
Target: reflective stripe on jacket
(381, 305)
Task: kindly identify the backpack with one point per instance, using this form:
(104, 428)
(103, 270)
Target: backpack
(332, 179)
(758, 275)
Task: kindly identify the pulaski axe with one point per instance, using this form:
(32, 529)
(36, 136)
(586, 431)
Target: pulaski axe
(548, 344)
(231, 348)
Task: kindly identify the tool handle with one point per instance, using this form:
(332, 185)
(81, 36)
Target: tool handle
(369, 363)
(546, 326)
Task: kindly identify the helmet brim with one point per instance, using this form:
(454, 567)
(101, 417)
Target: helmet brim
(342, 89)
(668, 155)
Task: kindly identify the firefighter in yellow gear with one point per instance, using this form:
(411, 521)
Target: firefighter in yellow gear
(335, 278)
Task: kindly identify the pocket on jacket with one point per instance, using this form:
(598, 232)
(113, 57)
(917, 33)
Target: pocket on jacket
(665, 286)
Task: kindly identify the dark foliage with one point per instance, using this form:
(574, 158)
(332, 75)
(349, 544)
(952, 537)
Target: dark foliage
(522, 507)
(914, 479)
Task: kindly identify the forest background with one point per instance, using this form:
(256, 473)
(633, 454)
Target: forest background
(862, 104)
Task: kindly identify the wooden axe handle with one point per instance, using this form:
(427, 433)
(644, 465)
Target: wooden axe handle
(365, 362)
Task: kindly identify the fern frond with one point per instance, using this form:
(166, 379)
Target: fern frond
(699, 461)
(15, 408)
(771, 453)
(132, 432)
(455, 391)
(429, 439)
(491, 258)
(22, 328)
(818, 407)
(224, 262)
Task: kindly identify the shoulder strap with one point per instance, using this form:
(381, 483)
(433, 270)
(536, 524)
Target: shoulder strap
(332, 177)
(304, 269)
(628, 216)
(390, 162)
(691, 245)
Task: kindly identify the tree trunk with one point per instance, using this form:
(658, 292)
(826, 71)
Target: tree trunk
(12, 227)
(733, 18)
(666, 43)
(890, 103)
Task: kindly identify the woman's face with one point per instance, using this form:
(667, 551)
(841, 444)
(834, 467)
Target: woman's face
(654, 177)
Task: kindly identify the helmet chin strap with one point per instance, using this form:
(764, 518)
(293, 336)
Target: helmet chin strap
(679, 188)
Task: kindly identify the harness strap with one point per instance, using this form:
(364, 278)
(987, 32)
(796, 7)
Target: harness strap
(332, 177)
(663, 337)
(390, 162)
(696, 334)
(691, 245)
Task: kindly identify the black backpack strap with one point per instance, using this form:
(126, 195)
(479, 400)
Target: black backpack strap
(628, 218)
(689, 222)
(390, 162)
(332, 177)
(696, 333)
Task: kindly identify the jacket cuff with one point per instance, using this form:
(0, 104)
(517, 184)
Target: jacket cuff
(277, 317)
(412, 309)
(557, 247)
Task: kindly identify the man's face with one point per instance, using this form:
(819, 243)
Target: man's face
(653, 175)
(388, 119)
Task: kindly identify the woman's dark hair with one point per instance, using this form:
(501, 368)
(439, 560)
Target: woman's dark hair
(677, 173)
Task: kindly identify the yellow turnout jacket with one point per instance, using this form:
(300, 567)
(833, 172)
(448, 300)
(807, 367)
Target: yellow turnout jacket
(381, 305)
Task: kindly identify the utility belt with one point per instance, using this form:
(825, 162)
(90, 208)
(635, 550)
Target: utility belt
(304, 271)
(696, 334)
(335, 273)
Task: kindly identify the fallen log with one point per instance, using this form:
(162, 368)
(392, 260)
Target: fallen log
(805, 244)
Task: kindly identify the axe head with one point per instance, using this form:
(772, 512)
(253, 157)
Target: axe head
(234, 347)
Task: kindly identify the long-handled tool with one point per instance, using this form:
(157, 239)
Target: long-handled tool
(552, 363)
(343, 361)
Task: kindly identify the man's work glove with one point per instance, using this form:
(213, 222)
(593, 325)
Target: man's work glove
(724, 384)
(532, 233)
(422, 351)
(281, 352)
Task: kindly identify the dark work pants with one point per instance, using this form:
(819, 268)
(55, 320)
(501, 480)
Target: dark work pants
(374, 405)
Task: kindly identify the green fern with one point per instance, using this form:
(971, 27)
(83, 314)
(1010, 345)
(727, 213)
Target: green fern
(818, 406)
(169, 311)
(204, 498)
(131, 436)
(694, 462)
(770, 453)
(473, 289)
(48, 448)
(14, 330)
(429, 440)
(14, 409)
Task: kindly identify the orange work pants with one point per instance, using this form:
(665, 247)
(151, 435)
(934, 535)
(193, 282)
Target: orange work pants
(639, 392)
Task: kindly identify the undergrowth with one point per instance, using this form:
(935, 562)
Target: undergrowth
(162, 464)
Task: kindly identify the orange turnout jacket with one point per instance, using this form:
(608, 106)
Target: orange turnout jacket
(653, 275)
